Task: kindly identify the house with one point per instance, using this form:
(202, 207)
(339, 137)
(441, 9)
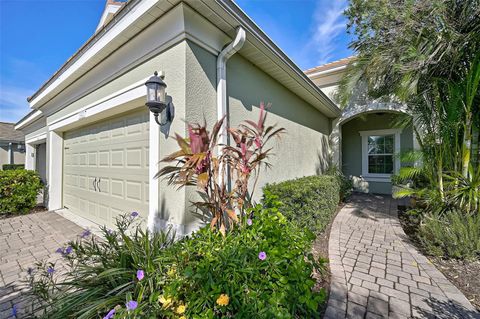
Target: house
(370, 135)
(98, 145)
(12, 145)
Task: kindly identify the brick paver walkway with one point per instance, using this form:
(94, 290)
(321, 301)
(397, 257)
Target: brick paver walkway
(23, 241)
(377, 273)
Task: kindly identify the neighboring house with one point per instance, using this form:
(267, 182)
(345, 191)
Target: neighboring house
(99, 146)
(12, 145)
(366, 140)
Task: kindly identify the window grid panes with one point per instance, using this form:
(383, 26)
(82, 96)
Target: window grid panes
(380, 154)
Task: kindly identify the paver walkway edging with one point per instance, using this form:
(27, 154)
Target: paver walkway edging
(377, 273)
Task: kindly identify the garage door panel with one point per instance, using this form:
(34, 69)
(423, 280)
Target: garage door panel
(106, 168)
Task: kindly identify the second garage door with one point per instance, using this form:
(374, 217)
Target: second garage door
(106, 168)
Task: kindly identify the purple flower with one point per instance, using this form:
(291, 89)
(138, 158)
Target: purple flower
(30, 270)
(140, 274)
(110, 314)
(59, 251)
(131, 305)
(50, 270)
(86, 233)
(134, 214)
(14, 311)
(249, 222)
(68, 250)
(109, 231)
(262, 255)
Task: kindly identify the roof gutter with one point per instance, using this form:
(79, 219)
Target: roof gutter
(29, 118)
(256, 32)
(222, 59)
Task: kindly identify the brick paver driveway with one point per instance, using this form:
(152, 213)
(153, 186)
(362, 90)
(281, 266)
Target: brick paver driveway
(23, 241)
(377, 273)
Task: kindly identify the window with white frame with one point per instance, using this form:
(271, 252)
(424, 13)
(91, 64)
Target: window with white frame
(379, 153)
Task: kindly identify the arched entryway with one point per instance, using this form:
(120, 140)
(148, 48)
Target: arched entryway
(366, 144)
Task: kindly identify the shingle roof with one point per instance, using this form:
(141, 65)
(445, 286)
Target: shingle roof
(9, 134)
(331, 65)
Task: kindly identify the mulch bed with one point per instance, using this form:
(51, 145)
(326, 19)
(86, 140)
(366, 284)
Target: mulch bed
(465, 275)
(35, 210)
(320, 249)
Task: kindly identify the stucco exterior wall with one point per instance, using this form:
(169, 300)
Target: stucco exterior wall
(18, 156)
(303, 150)
(3, 155)
(200, 102)
(352, 145)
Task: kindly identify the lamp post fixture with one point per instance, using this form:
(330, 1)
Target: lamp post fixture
(157, 99)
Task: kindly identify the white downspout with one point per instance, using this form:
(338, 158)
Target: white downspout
(222, 59)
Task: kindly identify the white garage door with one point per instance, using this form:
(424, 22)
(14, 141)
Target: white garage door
(106, 168)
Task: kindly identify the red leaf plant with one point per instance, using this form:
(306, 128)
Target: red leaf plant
(222, 172)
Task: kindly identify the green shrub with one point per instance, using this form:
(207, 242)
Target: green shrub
(452, 235)
(308, 201)
(208, 265)
(205, 275)
(18, 191)
(346, 184)
(7, 167)
(100, 274)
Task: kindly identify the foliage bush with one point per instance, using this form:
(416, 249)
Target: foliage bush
(451, 235)
(7, 167)
(18, 191)
(310, 201)
(260, 269)
(100, 274)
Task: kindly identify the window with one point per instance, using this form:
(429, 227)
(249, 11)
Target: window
(379, 149)
(380, 154)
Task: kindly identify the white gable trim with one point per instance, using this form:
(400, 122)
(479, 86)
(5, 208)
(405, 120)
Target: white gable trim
(35, 115)
(110, 9)
(109, 36)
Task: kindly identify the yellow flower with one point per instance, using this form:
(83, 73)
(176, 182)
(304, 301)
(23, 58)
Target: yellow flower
(171, 272)
(223, 300)
(181, 309)
(182, 317)
(164, 301)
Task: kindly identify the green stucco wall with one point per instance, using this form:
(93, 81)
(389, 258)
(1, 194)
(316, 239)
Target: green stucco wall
(352, 144)
(303, 150)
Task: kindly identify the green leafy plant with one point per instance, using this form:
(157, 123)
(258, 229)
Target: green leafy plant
(309, 202)
(451, 235)
(260, 270)
(346, 184)
(7, 167)
(18, 191)
(98, 275)
(204, 162)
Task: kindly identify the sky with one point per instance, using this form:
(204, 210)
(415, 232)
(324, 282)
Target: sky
(38, 36)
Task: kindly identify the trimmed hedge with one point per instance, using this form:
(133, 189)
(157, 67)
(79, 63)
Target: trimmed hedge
(7, 167)
(308, 201)
(18, 191)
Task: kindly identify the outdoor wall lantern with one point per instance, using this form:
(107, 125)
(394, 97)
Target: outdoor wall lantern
(157, 99)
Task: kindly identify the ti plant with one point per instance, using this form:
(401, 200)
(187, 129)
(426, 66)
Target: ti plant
(222, 172)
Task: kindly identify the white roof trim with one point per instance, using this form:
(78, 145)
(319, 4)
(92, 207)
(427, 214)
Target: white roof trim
(325, 72)
(104, 39)
(110, 9)
(29, 119)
